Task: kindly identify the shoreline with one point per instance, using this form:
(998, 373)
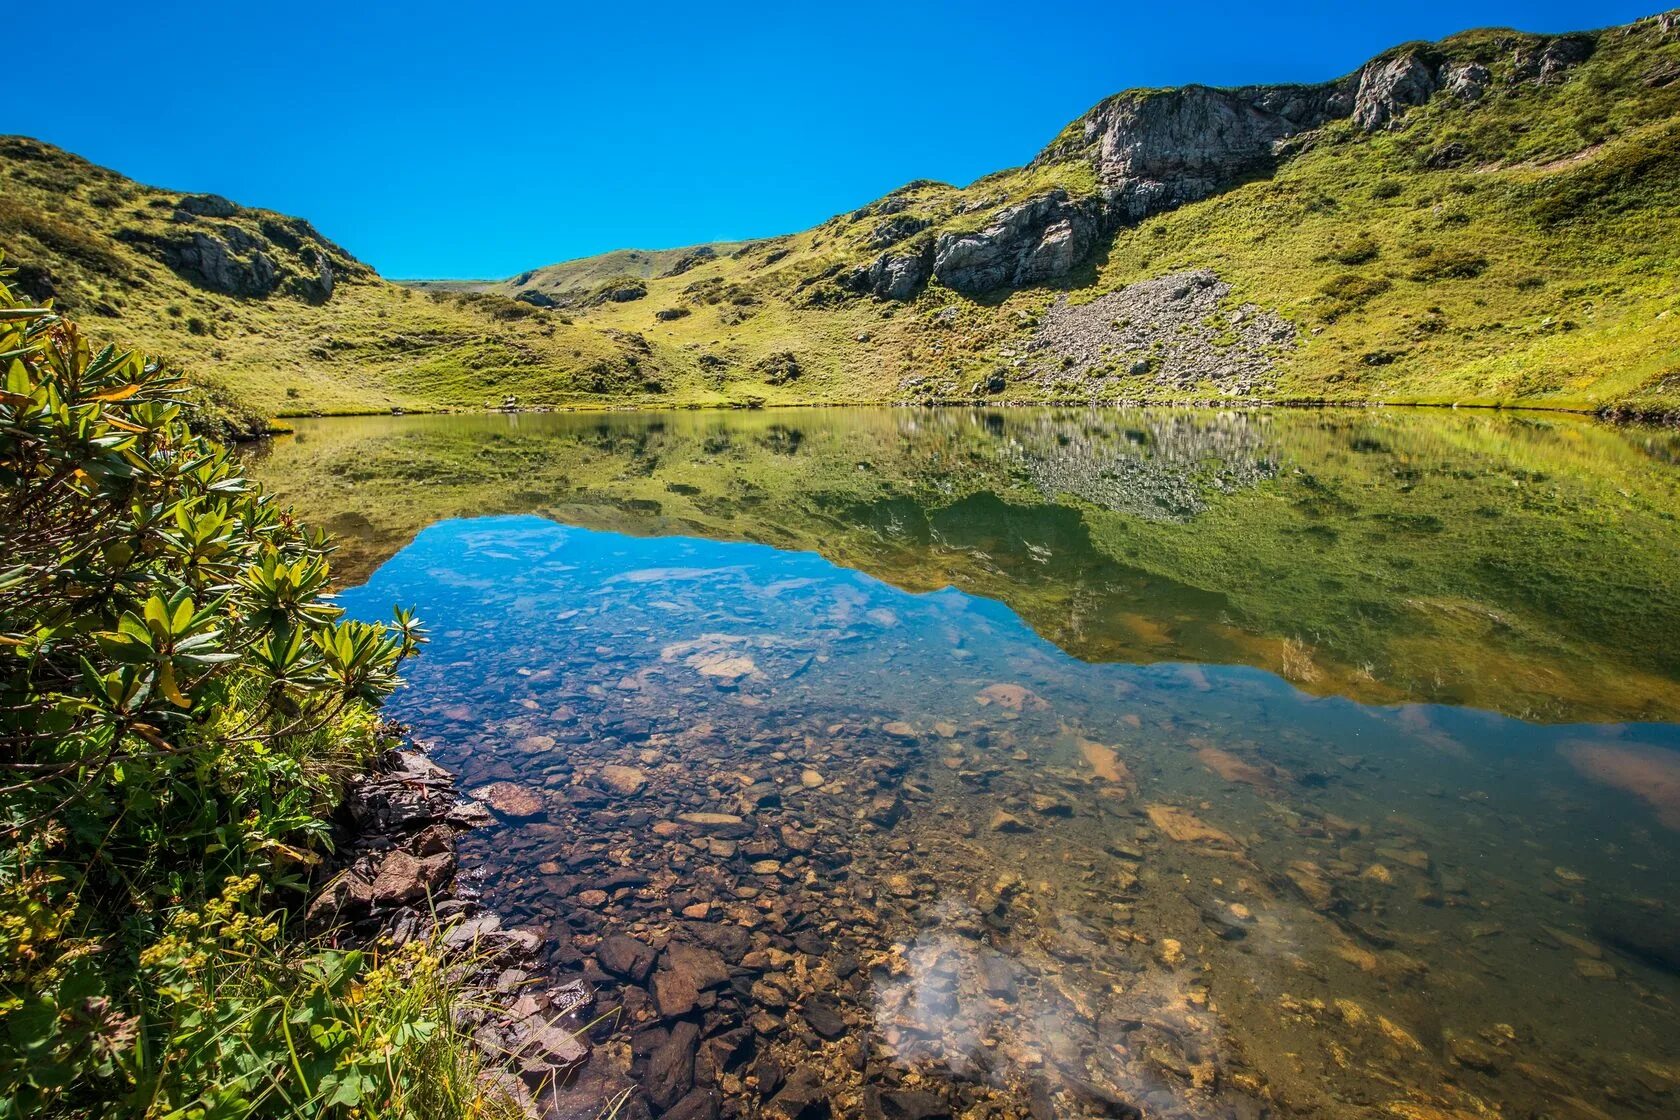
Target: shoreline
(1614, 415)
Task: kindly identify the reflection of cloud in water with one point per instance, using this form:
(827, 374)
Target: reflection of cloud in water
(1048, 1017)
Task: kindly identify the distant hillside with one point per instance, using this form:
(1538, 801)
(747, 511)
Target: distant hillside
(1492, 219)
(271, 319)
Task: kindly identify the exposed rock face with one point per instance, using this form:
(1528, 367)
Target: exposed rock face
(219, 246)
(894, 230)
(1388, 88)
(1467, 81)
(1044, 238)
(1157, 150)
(1153, 150)
(1546, 61)
(895, 275)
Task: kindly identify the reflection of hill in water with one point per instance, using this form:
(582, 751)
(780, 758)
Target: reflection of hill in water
(1162, 469)
(1530, 566)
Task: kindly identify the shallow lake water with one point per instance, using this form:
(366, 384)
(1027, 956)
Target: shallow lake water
(1060, 763)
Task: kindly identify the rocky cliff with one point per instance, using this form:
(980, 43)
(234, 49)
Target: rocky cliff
(1153, 150)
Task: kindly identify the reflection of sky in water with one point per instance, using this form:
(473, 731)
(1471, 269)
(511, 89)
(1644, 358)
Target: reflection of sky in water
(677, 630)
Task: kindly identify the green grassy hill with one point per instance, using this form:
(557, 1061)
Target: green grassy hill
(1493, 219)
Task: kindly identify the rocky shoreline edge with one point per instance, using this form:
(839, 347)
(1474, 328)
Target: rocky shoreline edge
(393, 880)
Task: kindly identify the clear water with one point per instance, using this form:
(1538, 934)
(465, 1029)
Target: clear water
(1325, 760)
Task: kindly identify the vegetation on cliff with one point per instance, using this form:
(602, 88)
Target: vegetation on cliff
(178, 708)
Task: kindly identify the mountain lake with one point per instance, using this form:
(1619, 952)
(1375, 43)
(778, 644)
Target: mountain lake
(1246, 763)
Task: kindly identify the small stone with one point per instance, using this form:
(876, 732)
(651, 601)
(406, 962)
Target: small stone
(593, 899)
(623, 955)
(1589, 969)
(511, 800)
(824, 1020)
(710, 820)
(810, 779)
(626, 780)
(1008, 822)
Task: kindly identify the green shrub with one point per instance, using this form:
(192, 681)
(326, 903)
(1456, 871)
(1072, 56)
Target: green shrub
(1349, 291)
(1362, 248)
(178, 707)
(1450, 264)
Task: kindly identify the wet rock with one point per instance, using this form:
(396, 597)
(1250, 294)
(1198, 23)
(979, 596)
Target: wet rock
(1647, 931)
(802, 1098)
(1049, 806)
(1186, 828)
(625, 780)
(700, 1104)
(904, 1105)
(1472, 1054)
(824, 1020)
(513, 801)
(675, 994)
(670, 1068)
(404, 877)
(704, 968)
(626, 956)
(712, 822)
(1008, 822)
(886, 809)
(997, 976)
(1011, 697)
(545, 1050)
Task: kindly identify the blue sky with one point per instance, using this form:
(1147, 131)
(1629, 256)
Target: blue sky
(480, 139)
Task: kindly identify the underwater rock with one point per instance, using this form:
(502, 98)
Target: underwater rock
(1186, 828)
(1649, 932)
(1105, 762)
(626, 780)
(1233, 769)
(511, 800)
(1013, 697)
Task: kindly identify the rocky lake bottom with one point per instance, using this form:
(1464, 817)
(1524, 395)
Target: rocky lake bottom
(902, 798)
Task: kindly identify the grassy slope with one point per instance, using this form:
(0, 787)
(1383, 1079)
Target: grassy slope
(372, 345)
(1537, 269)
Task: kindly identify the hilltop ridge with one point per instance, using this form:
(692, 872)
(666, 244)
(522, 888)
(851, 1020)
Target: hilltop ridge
(1490, 219)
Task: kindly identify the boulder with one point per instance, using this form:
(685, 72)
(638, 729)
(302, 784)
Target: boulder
(670, 1068)
(404, 877)
(1042, 239)
(1388, 87)
(897, 274)
(626, 956)
(207, 206)
(511, 800)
